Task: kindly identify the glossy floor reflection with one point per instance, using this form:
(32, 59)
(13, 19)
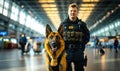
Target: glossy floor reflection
(11, 60)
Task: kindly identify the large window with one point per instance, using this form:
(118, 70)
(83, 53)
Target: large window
(19, 14)
(33, 23)
(1, 2)
(5, 12)
(14, 12)
(106, 28)
(111, 26)
(6, 7)
(28, 21)
(11, 26)
(1, 5)
(117, 23)
(22, 17)
(0, 9)
(39, 28)
(105, 31)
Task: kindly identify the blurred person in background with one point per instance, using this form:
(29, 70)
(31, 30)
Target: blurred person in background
(22, 42)
(96, 41)
(116, 43)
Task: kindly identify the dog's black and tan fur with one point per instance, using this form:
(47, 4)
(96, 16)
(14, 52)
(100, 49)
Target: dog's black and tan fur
(55, 50)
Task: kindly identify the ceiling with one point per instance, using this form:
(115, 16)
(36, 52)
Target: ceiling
(53, 12)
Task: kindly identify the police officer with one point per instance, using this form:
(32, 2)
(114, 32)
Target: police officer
(76, 35)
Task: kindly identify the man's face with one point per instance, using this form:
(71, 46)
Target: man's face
(23, 35)
(72, 12)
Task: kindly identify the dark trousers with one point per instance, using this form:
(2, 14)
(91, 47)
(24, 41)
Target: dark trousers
(115, 46)
(22, 49)
(77, 57)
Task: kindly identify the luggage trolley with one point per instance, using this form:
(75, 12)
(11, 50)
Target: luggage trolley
(37, 49)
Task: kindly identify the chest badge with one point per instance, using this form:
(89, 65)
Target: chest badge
(71, 27)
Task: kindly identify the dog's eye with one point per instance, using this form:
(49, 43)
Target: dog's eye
(51, 37)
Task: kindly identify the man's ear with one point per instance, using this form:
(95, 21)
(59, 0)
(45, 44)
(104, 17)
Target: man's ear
(48, 30)
(60, 30)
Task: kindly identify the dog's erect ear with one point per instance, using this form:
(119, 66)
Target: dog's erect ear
(60, 30)
(48, 30)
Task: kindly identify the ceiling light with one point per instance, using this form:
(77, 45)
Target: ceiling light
(86, 8)
(22, 6)
(51, 11)
(46, 1)
(90, 0)
(47, 5)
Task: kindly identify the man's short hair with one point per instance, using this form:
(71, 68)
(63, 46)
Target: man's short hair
(73, 5)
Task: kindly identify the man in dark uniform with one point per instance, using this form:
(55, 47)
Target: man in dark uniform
(22, 42)
(116, 43)
(76, 35)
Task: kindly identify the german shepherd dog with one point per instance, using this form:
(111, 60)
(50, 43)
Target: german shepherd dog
(55, 50)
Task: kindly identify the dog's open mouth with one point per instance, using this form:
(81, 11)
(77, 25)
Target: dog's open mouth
(54, 49)
(54, 46)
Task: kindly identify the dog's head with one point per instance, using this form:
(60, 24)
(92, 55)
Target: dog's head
(54, 40)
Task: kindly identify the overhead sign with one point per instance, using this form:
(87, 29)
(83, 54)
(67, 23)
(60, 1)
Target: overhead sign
(3, 33)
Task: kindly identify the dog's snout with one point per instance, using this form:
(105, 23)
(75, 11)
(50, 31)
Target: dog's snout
(53, 43)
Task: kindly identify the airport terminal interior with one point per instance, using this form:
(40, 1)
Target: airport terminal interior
(30, 17)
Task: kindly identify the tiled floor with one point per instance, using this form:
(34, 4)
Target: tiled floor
(11, 60)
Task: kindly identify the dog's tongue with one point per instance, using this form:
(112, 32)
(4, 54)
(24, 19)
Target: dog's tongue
(54, 49)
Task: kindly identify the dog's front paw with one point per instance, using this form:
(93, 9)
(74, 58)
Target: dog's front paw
(54, 62)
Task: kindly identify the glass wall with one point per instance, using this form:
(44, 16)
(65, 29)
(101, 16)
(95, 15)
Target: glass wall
(14, 12)
(1, 6)
(6, 7)
(28, 21)
(21, 15)
(106, 31)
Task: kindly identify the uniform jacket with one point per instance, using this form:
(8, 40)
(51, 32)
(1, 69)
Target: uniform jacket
(79, 28)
